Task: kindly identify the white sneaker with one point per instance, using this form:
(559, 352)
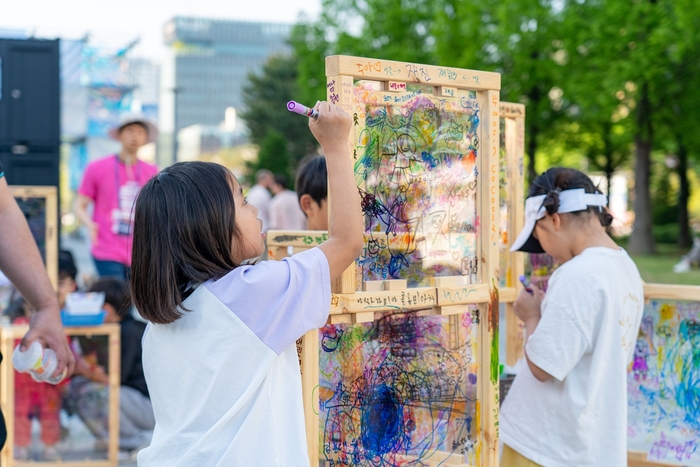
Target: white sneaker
(21, 453)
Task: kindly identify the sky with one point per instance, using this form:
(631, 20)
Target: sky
(120, 22)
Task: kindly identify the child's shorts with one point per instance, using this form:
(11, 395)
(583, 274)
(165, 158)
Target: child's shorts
(512, 458)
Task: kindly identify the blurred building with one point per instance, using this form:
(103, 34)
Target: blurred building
(144, 75)
(98, 84)
(206, 69)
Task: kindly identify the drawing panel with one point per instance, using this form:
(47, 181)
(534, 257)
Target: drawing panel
(415, 160)
(34, 210)
(664, 384)
(400, 391)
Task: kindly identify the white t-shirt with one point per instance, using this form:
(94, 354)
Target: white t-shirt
(285, 213)
(585, 340)
(259, 197)
(224, 379)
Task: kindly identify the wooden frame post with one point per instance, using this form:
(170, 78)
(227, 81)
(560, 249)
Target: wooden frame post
(514, 118)
(8, 335)
(449, 296)
(339, 89)
(490, 253)
(50, 195)
(445, 295)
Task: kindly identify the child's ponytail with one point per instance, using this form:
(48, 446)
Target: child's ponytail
(551, 202)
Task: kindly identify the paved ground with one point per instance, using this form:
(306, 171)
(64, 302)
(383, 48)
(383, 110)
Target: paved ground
(78, 444)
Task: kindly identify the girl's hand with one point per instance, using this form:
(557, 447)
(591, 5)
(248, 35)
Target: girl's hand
(332, 127)
(529, 306)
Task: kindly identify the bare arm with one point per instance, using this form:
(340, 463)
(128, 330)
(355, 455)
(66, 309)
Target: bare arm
(21, 262)
(81, 210)
(345, 236)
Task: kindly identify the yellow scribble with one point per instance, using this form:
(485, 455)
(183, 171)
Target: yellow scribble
(667, 312)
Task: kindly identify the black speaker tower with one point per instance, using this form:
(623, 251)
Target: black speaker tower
(30, 111)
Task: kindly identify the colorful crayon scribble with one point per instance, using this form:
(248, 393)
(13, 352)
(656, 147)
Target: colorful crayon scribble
(664, 384)
(415, 166)
(400, 391)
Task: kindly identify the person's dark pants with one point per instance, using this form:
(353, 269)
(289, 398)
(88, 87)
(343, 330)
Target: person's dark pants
(112, 269)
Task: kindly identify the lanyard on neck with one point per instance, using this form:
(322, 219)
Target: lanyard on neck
(137, 173)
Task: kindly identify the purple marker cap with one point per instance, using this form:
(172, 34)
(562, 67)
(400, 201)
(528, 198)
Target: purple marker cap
(301, 109)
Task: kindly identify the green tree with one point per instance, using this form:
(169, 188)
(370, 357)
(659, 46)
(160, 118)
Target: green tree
(273, 155)
(266, 96)
(311, 47)
(514, 37)
(597, 103)
(527, 52)
(681, 111)
(519, 39)
(630, 46)
(602, 79)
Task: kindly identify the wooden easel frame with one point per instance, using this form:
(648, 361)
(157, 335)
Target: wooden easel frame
(8, 335)
(50, 194)
(446, 295)
(514, 119)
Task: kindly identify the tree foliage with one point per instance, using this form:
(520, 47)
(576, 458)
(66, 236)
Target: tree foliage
(273, 155)
(610, 83)
(271, 126)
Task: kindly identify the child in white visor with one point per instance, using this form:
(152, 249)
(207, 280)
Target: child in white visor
(568, 406)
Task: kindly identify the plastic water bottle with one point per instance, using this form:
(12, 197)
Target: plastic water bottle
(40, 363)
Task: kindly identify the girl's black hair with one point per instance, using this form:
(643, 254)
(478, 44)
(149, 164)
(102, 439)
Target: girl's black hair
(116, 294)
(312, 179)
(558, 179)
(184, 225)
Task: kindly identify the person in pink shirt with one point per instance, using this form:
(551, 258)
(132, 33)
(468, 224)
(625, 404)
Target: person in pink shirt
(111, 185)
(284, 210)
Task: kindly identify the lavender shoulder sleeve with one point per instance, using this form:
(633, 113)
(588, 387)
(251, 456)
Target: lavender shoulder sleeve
(279, 300)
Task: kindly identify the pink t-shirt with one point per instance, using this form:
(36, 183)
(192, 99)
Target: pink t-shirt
(113, 190)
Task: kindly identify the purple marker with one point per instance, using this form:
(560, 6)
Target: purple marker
(526, 284)
(301, 109)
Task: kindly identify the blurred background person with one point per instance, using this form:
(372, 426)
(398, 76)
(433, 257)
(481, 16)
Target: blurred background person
(111, 185)
(285, 213)
(312, 191)
(259, 195)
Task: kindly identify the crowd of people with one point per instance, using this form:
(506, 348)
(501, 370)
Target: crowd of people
(209, 369)
(105, 207)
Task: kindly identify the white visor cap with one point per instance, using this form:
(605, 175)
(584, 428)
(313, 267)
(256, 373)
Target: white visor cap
(569, 201)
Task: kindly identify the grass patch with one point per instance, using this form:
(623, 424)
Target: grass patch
(658, 268)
